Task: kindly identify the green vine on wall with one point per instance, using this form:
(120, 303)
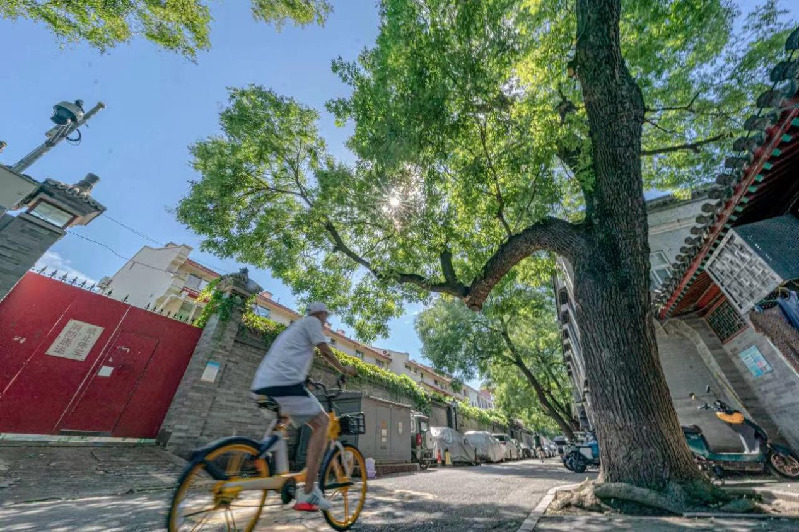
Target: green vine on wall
(217, 303)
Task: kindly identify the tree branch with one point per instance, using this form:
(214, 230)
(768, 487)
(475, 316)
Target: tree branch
(456, 289)
(687, 107)
(540, 393)
(550, 234)
(692, 146)
(490, 163)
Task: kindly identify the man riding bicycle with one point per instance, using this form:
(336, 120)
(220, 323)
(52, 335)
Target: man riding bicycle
(281, 376)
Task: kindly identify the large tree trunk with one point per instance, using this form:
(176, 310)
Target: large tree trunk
(640, 439)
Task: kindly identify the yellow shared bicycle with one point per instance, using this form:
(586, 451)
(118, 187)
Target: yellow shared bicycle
(227, 481)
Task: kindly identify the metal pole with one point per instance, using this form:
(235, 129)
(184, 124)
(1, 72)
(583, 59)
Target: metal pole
(60, 135)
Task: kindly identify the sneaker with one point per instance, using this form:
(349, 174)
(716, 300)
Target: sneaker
(311, 502)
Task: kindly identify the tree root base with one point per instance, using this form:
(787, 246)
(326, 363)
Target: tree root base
(677, 499)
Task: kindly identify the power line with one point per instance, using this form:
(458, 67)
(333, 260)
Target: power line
(132, 230)
(145, 236)
(115, 252)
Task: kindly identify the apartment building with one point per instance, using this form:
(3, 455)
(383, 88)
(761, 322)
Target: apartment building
(166, 280)
(478, 398)
(427, 377)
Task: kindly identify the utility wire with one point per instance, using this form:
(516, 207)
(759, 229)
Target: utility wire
(147, 237)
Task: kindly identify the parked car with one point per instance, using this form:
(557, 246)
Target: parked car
(421, 444)
(510, 450)
(487, 447)
(527, 452)
(446, 439)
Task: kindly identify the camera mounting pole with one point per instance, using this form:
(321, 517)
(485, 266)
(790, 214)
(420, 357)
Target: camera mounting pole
(68, 117)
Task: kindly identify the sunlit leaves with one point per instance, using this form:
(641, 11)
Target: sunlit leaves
(181, 26)
(467, 127)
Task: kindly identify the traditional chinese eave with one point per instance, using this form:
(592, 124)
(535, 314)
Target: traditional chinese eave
(760, 183)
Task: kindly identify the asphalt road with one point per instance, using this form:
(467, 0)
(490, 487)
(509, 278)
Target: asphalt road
(487, 497)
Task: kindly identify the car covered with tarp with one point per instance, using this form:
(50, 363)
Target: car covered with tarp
(446, 439)
(486, 446)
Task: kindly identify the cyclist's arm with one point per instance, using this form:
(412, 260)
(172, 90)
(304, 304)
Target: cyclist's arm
(332, 359)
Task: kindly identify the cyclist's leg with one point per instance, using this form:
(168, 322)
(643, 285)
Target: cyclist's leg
(316, 448)
(305, 409)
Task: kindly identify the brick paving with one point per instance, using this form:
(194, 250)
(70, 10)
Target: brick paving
(40, 472)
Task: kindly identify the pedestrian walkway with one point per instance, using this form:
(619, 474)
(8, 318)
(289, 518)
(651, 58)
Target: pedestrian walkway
(46, 472)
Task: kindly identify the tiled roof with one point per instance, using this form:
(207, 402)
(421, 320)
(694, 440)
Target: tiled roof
(755, 180)
(776, 241)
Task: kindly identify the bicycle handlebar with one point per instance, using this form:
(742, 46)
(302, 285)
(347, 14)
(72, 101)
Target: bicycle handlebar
(327, 393)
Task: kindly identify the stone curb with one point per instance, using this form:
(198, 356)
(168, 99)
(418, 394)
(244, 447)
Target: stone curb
(767, 493)
(529, 524)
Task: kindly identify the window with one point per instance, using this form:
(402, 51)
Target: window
(51, 214)
(262, 311)
(380, 364)
(359, 354)
(660, 269)
(332, 341)
(435, 382)
(196, 283)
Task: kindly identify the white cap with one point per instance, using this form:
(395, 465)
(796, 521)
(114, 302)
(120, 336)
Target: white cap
(315, 308)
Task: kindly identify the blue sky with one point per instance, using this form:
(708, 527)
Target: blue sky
(157, 104)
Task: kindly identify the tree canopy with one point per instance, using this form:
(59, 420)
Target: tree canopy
(514, 342)
(471, 143)
(180, 26)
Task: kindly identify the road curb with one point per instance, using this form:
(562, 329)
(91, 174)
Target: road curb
(529, 524)
(766, 493)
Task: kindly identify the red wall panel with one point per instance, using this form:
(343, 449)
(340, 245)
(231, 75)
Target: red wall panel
(39, 393)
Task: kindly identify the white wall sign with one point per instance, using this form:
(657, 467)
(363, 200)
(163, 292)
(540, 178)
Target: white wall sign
(75, 341)
(209, 374)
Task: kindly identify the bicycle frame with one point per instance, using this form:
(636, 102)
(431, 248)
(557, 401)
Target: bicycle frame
(278, 446)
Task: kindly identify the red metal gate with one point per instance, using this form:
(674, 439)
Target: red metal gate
(75, 361)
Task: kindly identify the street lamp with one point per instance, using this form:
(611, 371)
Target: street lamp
(67, 117)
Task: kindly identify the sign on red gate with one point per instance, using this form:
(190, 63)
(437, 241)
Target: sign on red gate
(75, 361)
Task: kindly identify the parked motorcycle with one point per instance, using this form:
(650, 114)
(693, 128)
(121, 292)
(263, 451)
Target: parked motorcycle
(759, 454)
(578, 457)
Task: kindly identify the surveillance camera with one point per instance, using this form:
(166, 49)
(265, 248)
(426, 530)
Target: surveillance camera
(66, 112)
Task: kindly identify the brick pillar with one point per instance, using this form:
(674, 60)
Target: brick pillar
(201, 387)
(51, 208)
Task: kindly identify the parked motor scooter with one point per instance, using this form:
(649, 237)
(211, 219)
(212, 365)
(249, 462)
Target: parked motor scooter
(579, 456)
(759, 454)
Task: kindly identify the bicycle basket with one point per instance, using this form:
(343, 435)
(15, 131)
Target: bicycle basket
(353, 423)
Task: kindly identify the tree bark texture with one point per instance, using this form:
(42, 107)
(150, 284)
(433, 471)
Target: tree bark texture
(640, 439)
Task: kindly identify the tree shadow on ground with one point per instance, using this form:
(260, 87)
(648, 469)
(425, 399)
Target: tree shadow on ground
(384, 510)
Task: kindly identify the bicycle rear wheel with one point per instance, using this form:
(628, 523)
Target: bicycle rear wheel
(342, 479)
(201, 503)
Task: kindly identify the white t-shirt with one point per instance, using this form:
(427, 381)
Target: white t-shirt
(291, 354)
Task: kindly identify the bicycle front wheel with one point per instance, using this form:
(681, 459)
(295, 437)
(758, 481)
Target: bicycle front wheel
(342, 479)
(201, 502)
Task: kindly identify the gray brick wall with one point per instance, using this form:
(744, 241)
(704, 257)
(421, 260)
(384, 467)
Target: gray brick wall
(23, 240)
(692, 355)
(777, 391)
(204, 411)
